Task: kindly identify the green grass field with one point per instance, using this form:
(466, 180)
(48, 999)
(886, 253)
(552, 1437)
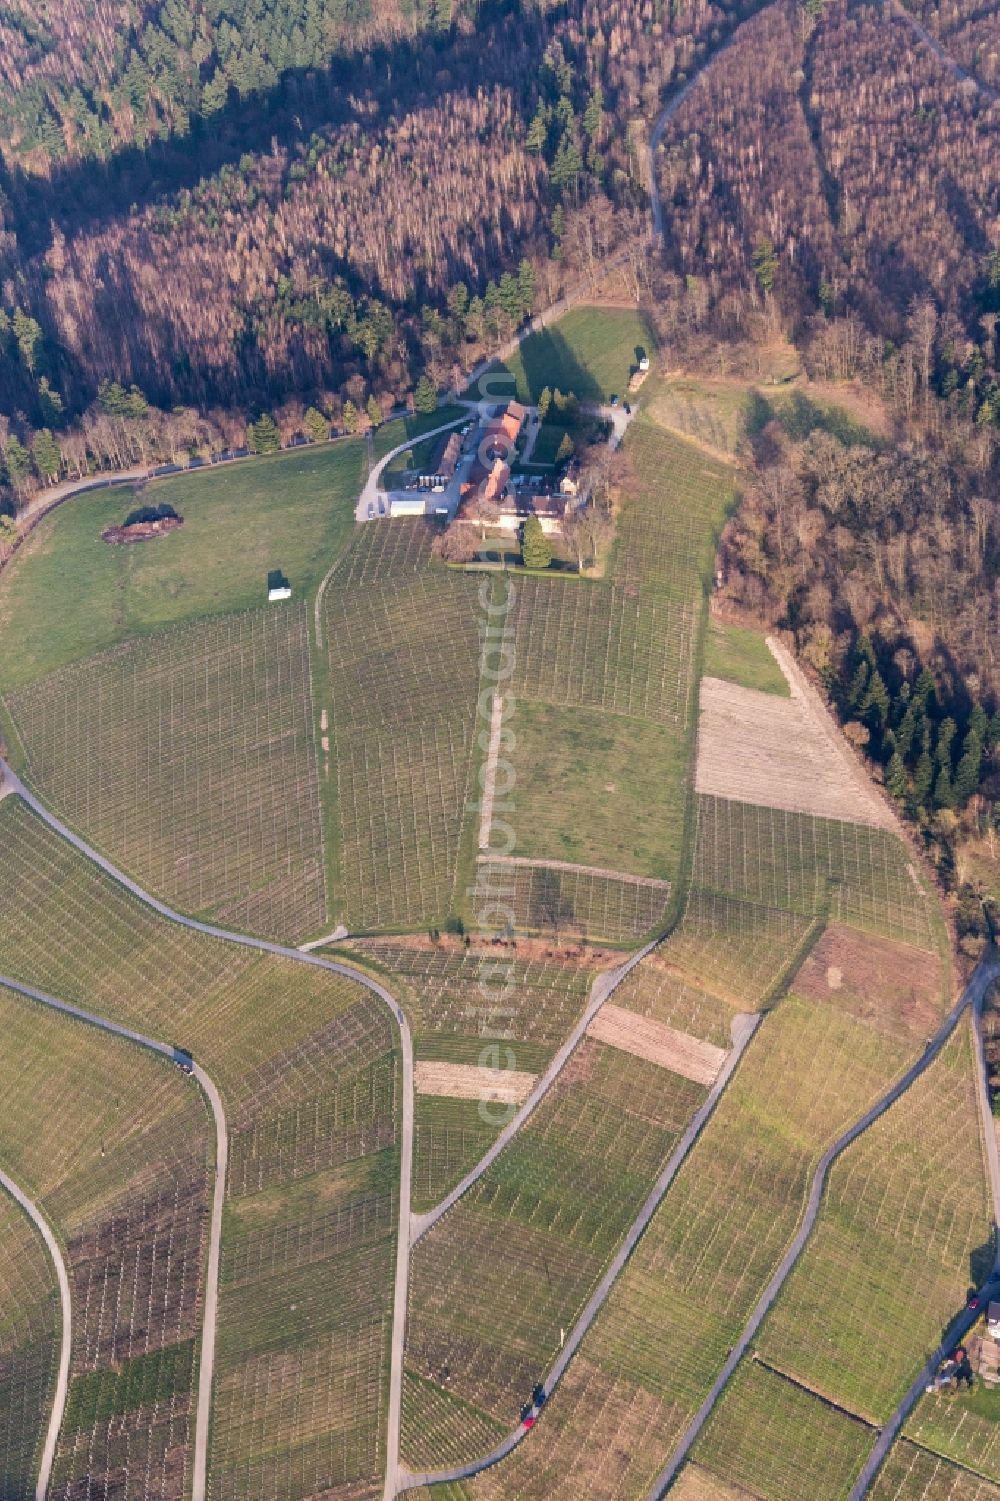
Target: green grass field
(596, 789)
(123, 1174)
(190, 759)
(741, 656)
(411, 429)
(905, 1228)
(591, 352)
(710, 413)
(293, 512)
(710, 1249)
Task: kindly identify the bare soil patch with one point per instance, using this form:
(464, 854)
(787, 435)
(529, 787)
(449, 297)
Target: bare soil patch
(141, 531)
(890, 985)
(778, 752)
(464, 1081)
(658, 1043)
(587, 956)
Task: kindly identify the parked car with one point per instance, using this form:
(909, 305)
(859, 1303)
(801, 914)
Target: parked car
(371, 510)
(614, 401)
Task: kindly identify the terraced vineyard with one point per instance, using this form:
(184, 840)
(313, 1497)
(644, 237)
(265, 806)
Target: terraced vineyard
(905, 1228)
(189, 758)
(767, 1434)
(283, 771)
(307, 1067)
(604, 677)
(29, 1346)
(741, 949)
(123, 1174)
(960, 1428)
(403, 641)
(651, 1356)
(547, 1216)
(912, 1474)
(797, 863)
(578, 903)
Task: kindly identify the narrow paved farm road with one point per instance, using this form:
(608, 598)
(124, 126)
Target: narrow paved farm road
(743, 1029)
(986, 972)
(206, 1366)
(335, 966)
(963, 1321)
(604, 986)
(66, 1334)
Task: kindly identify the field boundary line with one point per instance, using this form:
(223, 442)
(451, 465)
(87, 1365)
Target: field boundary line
(41, 1224)
(335, 966)
(743, 1029)
(209, 1325)
(964, 1321)
(604, 986)
(524, 862)
(986, 972)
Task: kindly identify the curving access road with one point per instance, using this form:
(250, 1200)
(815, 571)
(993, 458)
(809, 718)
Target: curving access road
(603, 987)
(743, 1029)
(40, 1223)
(963, 1321)
(16, 787)
(986, 973)
(206, 1366)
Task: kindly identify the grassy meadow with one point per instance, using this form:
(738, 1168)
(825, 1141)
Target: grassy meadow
(591, 351)
(293, 511)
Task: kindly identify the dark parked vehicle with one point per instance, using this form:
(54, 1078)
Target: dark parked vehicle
(184, 1060)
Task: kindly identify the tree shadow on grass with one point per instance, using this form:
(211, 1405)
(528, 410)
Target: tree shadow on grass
(546, 359)
(800, 417)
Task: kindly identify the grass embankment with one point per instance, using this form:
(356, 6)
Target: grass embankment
(739, 655)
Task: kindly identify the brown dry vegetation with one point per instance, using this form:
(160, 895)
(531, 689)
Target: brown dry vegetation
(889, 985)
(849, 146)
